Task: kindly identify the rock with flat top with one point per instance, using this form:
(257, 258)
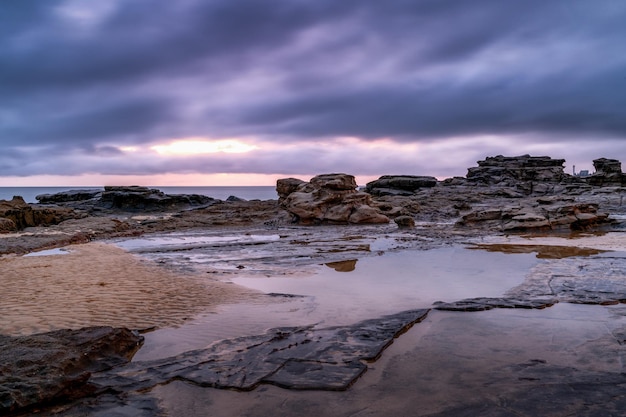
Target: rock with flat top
(511, 171)
(399, 184)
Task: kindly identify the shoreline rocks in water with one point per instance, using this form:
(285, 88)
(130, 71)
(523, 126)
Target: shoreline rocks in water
(47, 368)
(501, 194)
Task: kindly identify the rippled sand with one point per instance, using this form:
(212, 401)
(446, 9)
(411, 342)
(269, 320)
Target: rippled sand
(100, 284)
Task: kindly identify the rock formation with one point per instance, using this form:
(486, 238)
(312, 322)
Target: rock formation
(399, 184)
(328, 198)
(608, 173)
(510, 171)
(70, 195)
(286, 186)
(50, 367)
(16, 215)
(540, 214)
(135, 198)
(126, 198)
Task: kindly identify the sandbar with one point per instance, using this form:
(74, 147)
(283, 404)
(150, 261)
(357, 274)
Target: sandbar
(100, 284)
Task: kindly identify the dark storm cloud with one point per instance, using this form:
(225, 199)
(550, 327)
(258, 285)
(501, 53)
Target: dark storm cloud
(96, 76)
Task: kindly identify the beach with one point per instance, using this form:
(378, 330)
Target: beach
(97, 284)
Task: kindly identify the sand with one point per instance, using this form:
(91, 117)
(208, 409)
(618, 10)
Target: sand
(101, 284)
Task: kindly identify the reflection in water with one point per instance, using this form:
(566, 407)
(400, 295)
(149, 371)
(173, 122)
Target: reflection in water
(343, 266)
(543, 251)
(378, 285)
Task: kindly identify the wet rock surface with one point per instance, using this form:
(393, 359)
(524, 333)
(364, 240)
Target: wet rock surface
(300, 358)
(504, 195)
(54, 367)
(484, 303)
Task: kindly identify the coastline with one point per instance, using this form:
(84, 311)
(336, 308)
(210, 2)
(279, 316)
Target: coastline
(573, 287)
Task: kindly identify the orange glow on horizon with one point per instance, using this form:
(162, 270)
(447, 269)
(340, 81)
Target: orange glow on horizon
(195, 146)
(163, 180)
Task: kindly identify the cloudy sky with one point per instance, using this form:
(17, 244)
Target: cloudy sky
(221, 92)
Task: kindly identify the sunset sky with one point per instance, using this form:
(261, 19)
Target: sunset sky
(242, 92)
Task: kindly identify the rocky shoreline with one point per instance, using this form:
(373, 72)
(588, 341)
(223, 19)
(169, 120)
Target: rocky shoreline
(503, 195)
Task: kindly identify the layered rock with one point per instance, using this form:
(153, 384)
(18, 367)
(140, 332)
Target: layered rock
(55, 366)
(399, 184)
(510, 171)
(544, 214)
(16, 214)
(328, 198)
(608, 173)
(70, 195)
(126, 198)
(136, 198)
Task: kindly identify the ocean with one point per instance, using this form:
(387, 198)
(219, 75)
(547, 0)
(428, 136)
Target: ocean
(221, 193)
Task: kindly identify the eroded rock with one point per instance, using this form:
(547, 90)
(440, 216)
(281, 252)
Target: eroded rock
(21, 215)
(540, 214)
(290, 357)
(328, 198)
(51, 367)
(608, 173)
(512, 170)
(399, 184)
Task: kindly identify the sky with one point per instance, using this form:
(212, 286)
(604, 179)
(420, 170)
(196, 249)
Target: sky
(243, 92)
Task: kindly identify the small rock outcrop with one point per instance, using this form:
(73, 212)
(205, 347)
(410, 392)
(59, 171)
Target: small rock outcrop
(510, 171)
(608, 173)
(50, 367)
(136, 198)
(70, 195)
(328, 198)
(399, 184)
(16, 215)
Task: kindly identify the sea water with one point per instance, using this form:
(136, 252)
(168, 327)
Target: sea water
(219, 192)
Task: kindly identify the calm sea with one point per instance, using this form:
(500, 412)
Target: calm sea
(221, 193)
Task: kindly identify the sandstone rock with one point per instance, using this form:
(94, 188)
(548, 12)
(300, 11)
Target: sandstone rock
(330, 198)
(512, 170)
(539, 216)
(286, 186)
(49, 367)
(405, 221)
(23, 215)
(7, 225)
(608, 173)
(339, 182)
(399, 184)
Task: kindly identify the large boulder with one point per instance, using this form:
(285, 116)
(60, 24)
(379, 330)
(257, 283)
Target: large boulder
(328, 198)
(510, 171)
(399, 184)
